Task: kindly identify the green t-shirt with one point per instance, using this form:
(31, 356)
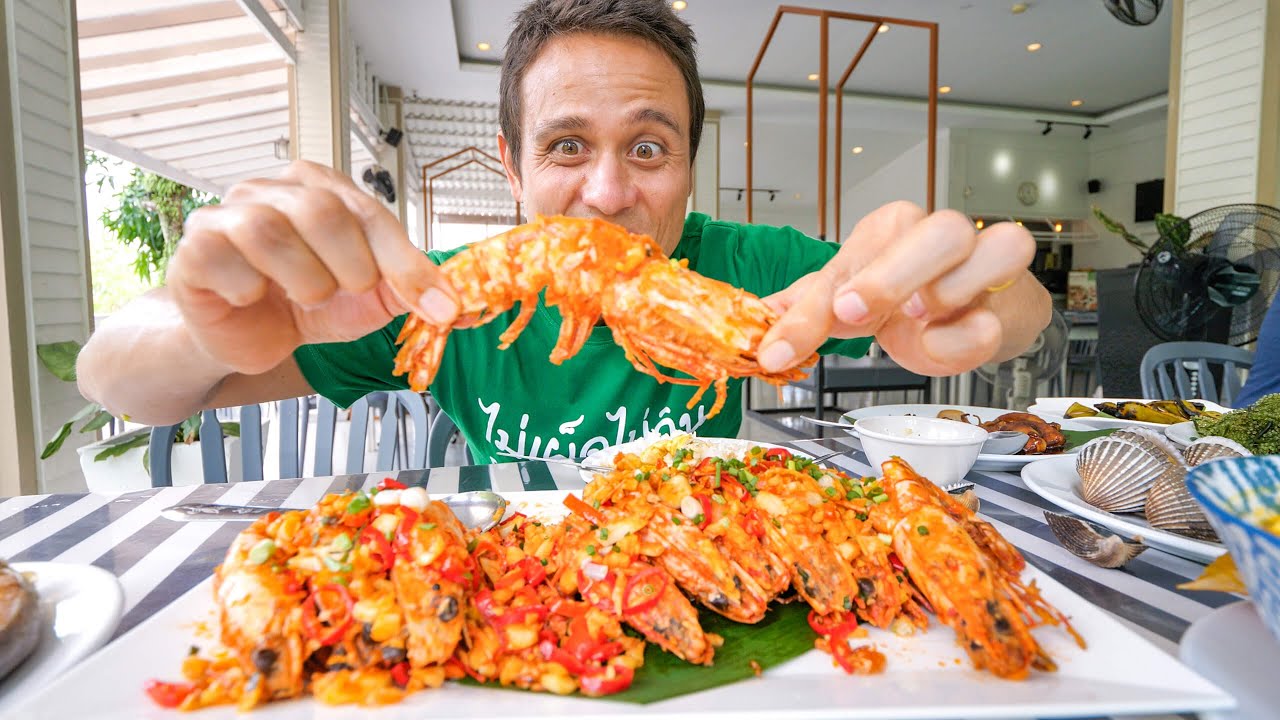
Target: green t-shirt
(516, 400)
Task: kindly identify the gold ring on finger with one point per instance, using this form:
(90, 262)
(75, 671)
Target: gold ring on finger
(1002, 286)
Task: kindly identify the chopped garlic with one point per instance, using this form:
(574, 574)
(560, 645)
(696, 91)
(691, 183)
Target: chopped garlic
(386, 498)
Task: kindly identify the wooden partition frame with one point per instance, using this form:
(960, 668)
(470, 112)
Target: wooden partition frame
(477, 157)
(824, 18)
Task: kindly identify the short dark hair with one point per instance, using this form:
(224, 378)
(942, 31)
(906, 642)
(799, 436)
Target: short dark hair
(541, 20)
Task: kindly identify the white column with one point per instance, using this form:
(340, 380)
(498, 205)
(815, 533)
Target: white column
(45, 281)
(706, 169)
(321, 101)
(1225, 102)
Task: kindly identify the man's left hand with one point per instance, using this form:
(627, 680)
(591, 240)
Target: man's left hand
(938, 296)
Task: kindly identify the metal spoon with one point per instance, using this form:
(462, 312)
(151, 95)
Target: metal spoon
(560, 461)
(479, 509)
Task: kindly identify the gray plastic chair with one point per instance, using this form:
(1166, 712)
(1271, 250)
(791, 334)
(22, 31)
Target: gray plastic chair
(443, 431)
(396, 450)
(1165, 375)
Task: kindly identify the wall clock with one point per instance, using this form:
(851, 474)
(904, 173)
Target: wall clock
(1028, 193)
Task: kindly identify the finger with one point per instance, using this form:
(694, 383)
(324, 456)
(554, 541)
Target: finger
(782, 300)
(1001, 254)
(924, 252)
(412, 276)
(940, 348)
(207, 264)
(266, 239)
(323, 222)
(804, 325)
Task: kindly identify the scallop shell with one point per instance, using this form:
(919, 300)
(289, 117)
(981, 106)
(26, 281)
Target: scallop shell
(1210, 448)
(1087, 541)
(1171, 507)
(1152, 440)
(1116, 472)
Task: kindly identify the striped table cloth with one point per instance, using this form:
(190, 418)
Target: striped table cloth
(157, 560)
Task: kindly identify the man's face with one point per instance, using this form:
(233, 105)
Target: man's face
(605, 133)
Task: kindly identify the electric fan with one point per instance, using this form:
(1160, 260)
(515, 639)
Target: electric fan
(1013, 382)
(1212, 276)
(1134, 12)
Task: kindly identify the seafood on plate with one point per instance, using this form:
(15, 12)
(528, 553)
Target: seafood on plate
(20, 620)
(357, 600)
(664, 315)
(1043, 437)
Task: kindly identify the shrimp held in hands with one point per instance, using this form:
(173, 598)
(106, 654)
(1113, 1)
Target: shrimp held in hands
(661, 312)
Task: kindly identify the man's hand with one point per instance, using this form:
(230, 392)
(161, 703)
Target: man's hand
(302, 259)
(939, 297)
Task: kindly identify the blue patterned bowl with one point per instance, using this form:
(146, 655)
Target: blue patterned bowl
(1236, 494)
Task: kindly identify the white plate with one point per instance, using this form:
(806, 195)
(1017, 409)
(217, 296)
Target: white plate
(1231, 647)
(1182, 434)
(702, 447)
(1052, 408)
(985, 461)
(927, 677)
(80, 606)
(1058, 482)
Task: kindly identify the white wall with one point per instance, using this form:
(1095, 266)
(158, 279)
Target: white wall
(987, 166)
(1120, 159)
(902, 178)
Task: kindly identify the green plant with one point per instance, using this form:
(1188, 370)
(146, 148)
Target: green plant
(1172, 228)
(60, 359)
(150, 213)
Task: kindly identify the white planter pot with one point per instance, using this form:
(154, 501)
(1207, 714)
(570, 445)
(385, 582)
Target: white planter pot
(125, 473)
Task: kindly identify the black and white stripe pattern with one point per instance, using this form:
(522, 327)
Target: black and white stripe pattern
(157, 560)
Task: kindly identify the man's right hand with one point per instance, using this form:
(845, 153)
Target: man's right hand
(303, 259)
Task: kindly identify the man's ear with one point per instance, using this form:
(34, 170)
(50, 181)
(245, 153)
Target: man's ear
(511, 167)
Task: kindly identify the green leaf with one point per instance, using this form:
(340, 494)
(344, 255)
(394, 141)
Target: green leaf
(56, 443)
(230, 429)
(1173, 229)
(59, 358)
(1076, 438)
(99, 420)
(782, 635)
(127, 442)
(189, 430)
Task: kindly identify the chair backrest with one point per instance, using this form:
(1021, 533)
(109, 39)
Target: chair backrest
(1165, 375)
(443, 431)
(401, 413)
(212, 459)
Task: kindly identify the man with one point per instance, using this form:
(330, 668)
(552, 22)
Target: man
(300, 284)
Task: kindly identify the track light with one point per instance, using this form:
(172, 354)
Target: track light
(739, 196)
(772, 195)
(1048, 127)
(1088, 130)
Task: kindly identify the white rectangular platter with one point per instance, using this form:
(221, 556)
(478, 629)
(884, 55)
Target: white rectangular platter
(927, 676)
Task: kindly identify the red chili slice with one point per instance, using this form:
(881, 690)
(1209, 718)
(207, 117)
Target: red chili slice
(835, 625)
(338, 625)
(579, 506)
(779, 454)
(730, 482)
(381, 547)
(706, 509)
(389, 483)
(168, 694)
(400, 674)
(404, 532)
(896, 563)
(650, 582)
(752, 523)
(534, 571)
(599, 683)
(551, 652)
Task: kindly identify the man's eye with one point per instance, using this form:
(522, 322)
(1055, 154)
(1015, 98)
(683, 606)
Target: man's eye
(647, 150)
(568, 147)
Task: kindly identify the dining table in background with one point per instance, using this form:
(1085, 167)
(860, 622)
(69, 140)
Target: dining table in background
(157, 560)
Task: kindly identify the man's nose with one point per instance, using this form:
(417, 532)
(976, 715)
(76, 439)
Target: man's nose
(608, 188)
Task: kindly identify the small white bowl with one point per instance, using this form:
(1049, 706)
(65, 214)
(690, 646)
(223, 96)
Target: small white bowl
(940, 450)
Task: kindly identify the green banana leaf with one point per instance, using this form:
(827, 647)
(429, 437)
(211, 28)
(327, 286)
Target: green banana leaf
(783, 634)
(1076, 438)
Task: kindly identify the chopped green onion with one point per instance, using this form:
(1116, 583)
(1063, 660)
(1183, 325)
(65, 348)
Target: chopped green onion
(862, 516)
(881, 498)
(604, 533)
(335, 565)
(591, 549)
(848, 603)
(358, 503)
(471, 546)
(543, 561)
(617, 549)
(922, 530)
(830, 491)
(261, 552)
(675, 520)
(699, 519)
(717, 499)
(426, 526)
(342, 543)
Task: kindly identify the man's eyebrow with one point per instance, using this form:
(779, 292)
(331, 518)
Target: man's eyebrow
(654, 115)
(568, 123)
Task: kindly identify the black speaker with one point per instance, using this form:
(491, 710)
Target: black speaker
(1095, 186)
(393, 136)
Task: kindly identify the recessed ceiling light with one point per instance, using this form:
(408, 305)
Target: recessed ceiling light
(746, 143)
(797, 196)
(813, 76)
(944, 89)
(1077, 103)
(1057, 227)
(884, 28)
(857, 149)
(1018, 8)
(978, 223)
(679, 5)
(483, 46)
(1033, 47)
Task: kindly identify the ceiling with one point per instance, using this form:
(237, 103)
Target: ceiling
(429, 48)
